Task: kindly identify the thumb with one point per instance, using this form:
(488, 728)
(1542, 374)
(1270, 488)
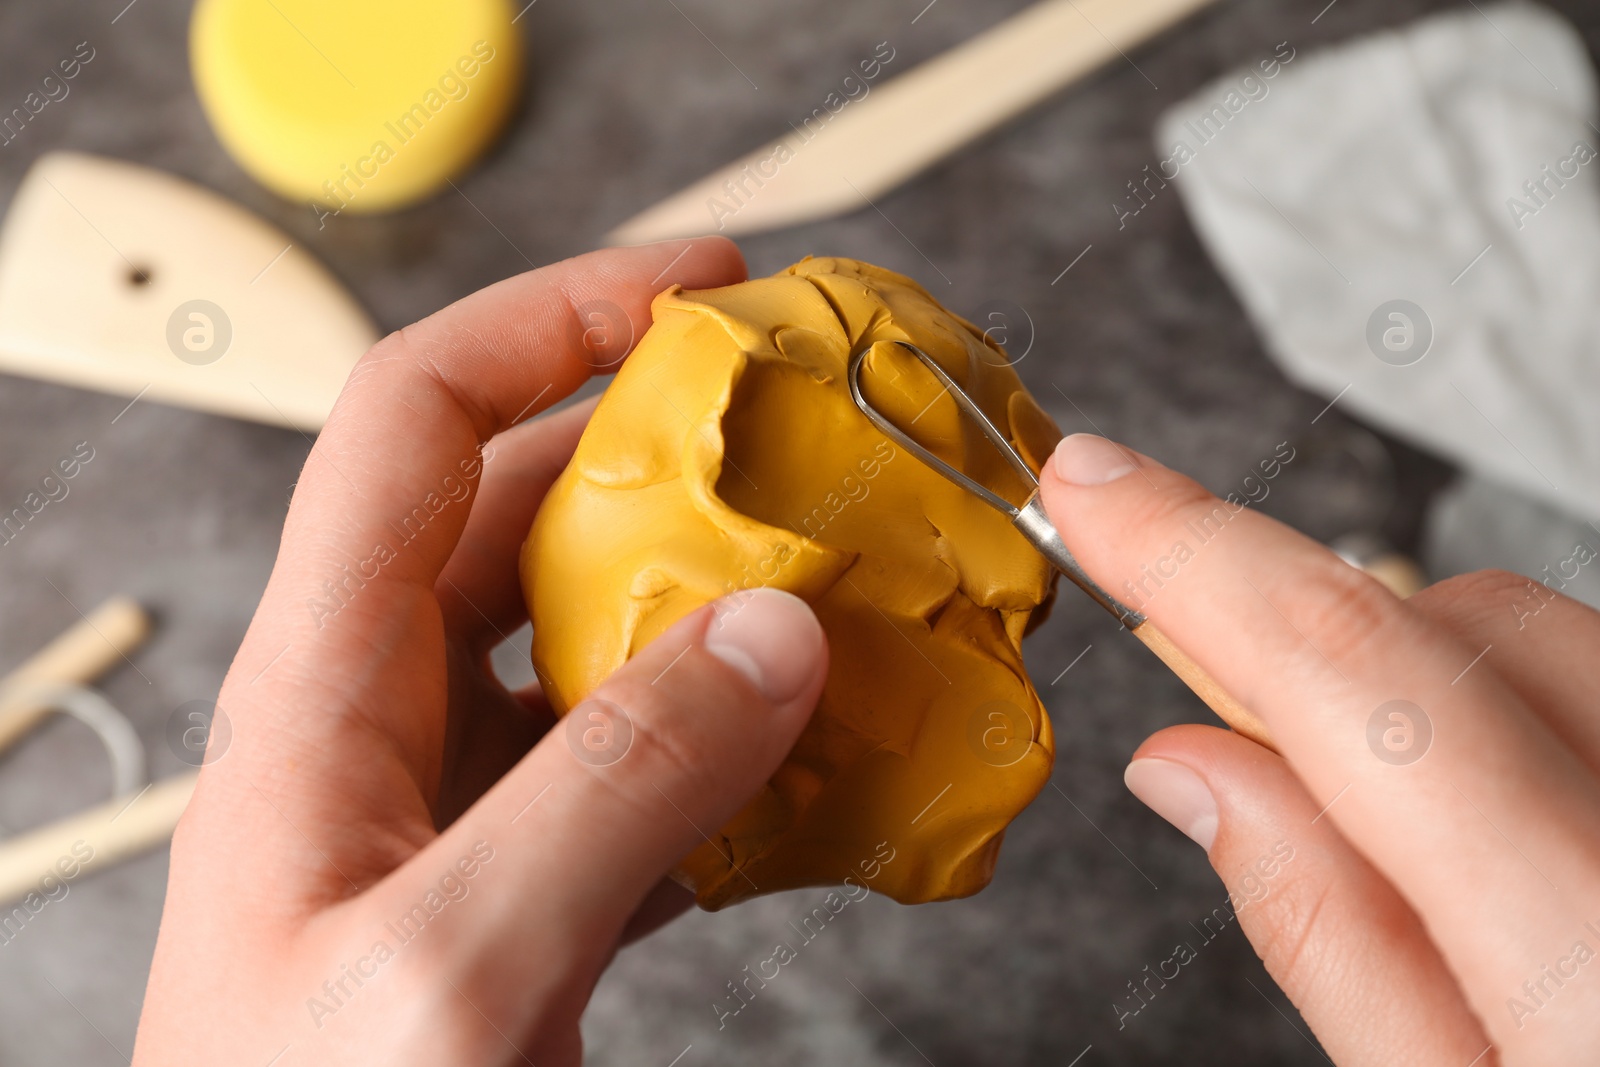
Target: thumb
(637, 775)
(1335, 936)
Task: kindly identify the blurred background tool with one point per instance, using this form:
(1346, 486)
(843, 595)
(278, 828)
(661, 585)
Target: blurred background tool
(137, 816)
(369, 105)
(106, 833)
(123, 279)
(885, 136)
(94, 645)
(1396, 571)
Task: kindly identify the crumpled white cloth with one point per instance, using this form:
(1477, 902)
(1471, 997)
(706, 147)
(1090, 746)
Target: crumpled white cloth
(1451, 164)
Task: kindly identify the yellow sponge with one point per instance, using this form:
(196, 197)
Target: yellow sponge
(356, 105)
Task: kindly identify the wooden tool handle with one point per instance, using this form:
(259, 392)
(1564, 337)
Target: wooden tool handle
(93, 646)
(947, 101)
(1205, 687)
(93, 839)
(841, 158)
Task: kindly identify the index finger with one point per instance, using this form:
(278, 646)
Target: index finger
(399, 453)
(1491, 800)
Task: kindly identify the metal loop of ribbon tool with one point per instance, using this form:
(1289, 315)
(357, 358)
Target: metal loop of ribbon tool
(1029, 519)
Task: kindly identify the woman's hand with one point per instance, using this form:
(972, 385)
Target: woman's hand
(1420, 868)
(397, 861)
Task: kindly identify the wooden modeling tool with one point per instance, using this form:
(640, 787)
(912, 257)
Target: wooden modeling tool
(98, 642)
(1032, 522)
(838, 161)
(120, 827)
(122, 279)
(107, 833)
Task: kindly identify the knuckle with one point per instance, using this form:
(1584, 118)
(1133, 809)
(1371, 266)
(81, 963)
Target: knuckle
(397, 346)
(1340, 609)
(419, 348)
(1288, 931)
(1477, 591)
(387, 349)
(394, 344)
(672, 750)
(1483, 602)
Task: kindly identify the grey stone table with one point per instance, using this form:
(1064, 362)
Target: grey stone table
(629, 100)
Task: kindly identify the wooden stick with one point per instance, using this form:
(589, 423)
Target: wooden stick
(89, 841)
(1235, 714)
(830, 165)
(94, 645)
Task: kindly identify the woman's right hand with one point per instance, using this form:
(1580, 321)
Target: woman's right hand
(1438, 791)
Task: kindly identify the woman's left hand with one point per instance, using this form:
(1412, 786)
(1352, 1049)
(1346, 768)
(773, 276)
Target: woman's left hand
(388, 864)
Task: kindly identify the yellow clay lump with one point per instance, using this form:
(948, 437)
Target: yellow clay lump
(728, 454)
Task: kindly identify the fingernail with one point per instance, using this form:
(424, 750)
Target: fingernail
(771, 637)
(1084, 459)
(1177, 794)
